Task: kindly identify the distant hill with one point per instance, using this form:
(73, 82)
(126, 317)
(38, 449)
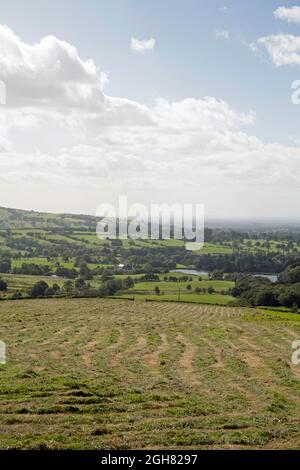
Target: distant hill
(17, 218)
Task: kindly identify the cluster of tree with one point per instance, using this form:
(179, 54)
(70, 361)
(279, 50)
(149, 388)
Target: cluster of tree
(149, 277)
(33, 269)
(259, 291)
(32, 244)
(291, 274)
(179, 278)
(147, 260)
(5, 261)
(3, 285)
(243, 262)
(204, 290)
(286, 237)
(79, 288)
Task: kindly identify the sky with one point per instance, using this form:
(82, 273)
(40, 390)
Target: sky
(180, 101)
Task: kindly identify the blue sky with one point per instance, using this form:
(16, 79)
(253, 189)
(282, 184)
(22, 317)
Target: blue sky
(192, 58)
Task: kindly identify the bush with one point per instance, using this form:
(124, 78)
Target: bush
(3, 286)
(39, 289)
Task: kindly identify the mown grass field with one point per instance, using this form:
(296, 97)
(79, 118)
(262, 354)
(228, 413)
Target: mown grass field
(113, 374)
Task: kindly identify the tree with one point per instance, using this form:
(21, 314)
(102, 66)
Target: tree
(79, 283)
(16, 295)
(68, 287)
(291, 275)
(55, 287)
(5, 263)
(217, 274)
(294, 308)
(49, 292)
(110, 287)
(66, 273)
(39, 289)
(84, 271)
(128, 283)
(265, 297)
(3, 286)
(211, 290)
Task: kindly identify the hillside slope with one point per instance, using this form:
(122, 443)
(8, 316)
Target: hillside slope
(17, 218)
(123, 375)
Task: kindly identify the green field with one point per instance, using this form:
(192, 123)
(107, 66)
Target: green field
(174, 286)
(213, 299)
(177, 291)
(112, 374)
(23, 282)
(141, 290)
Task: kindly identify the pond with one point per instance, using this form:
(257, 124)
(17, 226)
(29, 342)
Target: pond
(273, 277)
(191, 272)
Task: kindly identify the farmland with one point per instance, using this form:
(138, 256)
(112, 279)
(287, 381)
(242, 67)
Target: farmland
(63, 252)
(173, 361)
(115, 374)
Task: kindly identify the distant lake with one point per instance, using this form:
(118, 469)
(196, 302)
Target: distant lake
(190, 272)
(273, 277)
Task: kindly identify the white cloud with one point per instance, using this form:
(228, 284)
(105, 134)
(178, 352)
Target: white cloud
(292, 15)
(49, 73)
(222, 34)
(51, 79)
(110, 145)
(142, 45)
(283, 49)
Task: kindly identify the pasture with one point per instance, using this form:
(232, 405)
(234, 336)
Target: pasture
(116, 374)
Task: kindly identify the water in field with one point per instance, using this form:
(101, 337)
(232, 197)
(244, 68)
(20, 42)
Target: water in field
(191, 272)
(271, 277)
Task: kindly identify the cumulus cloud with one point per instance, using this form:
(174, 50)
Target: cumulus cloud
(116, 144)
(142, 45)
(51, 79)
(292, 15)
(199, 114)
(49, 73)
(283, 49)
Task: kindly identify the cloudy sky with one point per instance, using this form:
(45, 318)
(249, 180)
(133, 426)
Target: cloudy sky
(165, 102)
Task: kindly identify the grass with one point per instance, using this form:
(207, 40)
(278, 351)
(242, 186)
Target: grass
(169, 291)
(213, 299)
(174, 286)
(112, 374)
(24, 282)
(17, 263)
(214, 249)
(39, 227)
